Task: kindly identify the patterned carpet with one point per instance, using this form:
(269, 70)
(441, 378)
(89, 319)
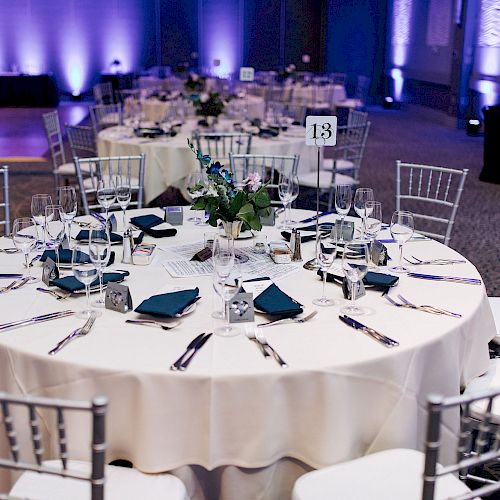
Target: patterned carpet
(413, 134)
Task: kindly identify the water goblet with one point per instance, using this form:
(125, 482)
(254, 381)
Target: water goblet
(38, 204)
(227, 287)
(123, 196)
(373, 225)
(343, 202)
(361, 196)
(402, 228)
(55, 228)
(288, 190)
(106, 194)
(195, 179)
(66, 198)
(86, 273)
(99, 253)
(327, 251)
(25, 237)
(355, 265)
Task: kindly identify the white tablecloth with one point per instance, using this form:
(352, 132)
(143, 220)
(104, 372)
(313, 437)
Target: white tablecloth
(169, 161)
(342, 396)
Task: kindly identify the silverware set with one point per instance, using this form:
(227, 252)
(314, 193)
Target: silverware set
(263, 341)
(426, 308)
(79, 332)
(372, 333)
(289, 320)
(153, 323)
(433, 262)
(187, 356)
(15, 285)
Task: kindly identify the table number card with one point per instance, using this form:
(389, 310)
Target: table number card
(359, 289)
(49, 271)
(241, 308)
(321, 131)
(174, 215)
(118, 298)
(270, 220)
(247, 74)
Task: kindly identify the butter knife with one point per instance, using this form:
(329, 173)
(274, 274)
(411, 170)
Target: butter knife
(383, 339)
(36, 319)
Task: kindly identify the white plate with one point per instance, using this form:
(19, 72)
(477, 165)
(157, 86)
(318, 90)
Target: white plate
(188, 310)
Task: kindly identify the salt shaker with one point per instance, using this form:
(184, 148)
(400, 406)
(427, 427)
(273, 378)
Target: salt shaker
(296, 245)
(128, 245)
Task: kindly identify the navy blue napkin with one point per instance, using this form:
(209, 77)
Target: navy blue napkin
(65, 256)
(274, 302)
(147, 223)
(71, 284)
(83, 235)
(376, 280)
(168, 305)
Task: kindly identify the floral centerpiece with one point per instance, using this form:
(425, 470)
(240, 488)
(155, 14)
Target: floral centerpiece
(195, 83)
(236, 205)
(209, 104)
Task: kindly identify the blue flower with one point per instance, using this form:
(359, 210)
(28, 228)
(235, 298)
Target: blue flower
(214, 169)
(226, 174)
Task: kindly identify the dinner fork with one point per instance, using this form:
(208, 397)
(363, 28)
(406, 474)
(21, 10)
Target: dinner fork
(151, 322)
(58, 295)
(262, 339)
(8, 287)
(434, 262)
(430, 309)
(79, 332)
(290, 320)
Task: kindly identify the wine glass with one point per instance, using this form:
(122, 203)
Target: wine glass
(123, 196)
(343, 202)
(55, 228)
(86, 273)
(402, 228)
(99, 253)
(355, 265)
(373, 225)
(288, 190)
(361, 196)
(66, 198)
(327, 251)
(227, 287)
(106, 194)
(223, 255)
(195, 179)
(38, 204)
(25, 237)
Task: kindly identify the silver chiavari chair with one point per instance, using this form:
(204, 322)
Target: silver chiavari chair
(218, 145)
(81, 140)
(426, 188)
(56, 146)
(103, 93)
(355, 118)
(269, 167)
(91, 170)
(105, 115)
(5, 203)
(413, 475)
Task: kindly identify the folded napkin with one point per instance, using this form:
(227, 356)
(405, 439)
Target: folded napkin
(83, 235)
(377, 280)
(275, 302)
(325, 227)
(66, 256)
(168, 304)
(304, 239)
(146, 223)
(71, 284)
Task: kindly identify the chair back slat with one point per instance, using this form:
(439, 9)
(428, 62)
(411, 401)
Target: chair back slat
(105, 115)
(219, 144)
(36, 436)
(54, 138)
(103, 93)
(5, 201)
(10, 430)
(61, 435)
(81, 140)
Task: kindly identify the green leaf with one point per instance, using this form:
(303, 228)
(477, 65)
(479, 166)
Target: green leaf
(247, 214)
(199, 204)
(237, 203)
(262, 199)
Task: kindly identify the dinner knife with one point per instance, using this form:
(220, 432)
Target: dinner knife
(36, 319)
(197, 347)
(175, 365)
(383, 339)
(10, 276)
(455, 279)
(322, 214)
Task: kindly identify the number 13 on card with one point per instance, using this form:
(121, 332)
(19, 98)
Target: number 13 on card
(321, 130)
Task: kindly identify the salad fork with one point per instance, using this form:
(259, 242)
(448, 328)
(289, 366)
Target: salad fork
(430, 309)
(151, 322)
(289, 320)
(79, 332)
(433, 262)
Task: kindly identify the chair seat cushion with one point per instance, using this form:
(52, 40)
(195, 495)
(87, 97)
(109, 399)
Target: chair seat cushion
(325, 179)
(121, 484)
(388, 475)
(340, 165)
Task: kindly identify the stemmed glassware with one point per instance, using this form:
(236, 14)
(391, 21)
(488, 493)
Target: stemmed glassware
(123, 196)
(193, 180)
(38, 204)
(373, 225)
(66, 198)
(86, 273)
(327, 251)
(55, 227)
(355, 265)
(343, 202)
(25, 237)
(106, 193)
(288, 190)
(402, 228)
(99, 253)
(361, 196)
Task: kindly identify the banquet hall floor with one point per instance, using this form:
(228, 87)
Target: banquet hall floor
(412, 134)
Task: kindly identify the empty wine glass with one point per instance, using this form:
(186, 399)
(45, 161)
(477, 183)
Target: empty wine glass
(38, 204)
(25, 237)
(327, 251)
(99, 253)
(86, 273)
(355, 265)
(55, 228)
(402, 228)
(361, 196)
(106, 193)
(66, 198)
(227, 287)
(223, 255)
(343, 202)
(123, 196)
(195, 179)
(288, 190)
(373, 225)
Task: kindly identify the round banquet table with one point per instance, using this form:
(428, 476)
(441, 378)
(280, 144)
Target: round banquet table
(169, 161)
(237, 425)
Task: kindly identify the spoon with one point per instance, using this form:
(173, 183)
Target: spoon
(150, 322)
(250, 333)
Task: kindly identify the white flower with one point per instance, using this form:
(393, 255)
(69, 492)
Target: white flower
(253, 181)
(212, 192)
(204, 97)
(197, 194)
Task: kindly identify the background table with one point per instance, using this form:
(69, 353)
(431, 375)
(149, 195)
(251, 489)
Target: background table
(342, 396)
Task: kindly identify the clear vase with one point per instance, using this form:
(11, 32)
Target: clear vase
(232, 228)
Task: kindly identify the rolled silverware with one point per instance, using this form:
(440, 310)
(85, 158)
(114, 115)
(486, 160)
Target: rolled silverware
(36, 319)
